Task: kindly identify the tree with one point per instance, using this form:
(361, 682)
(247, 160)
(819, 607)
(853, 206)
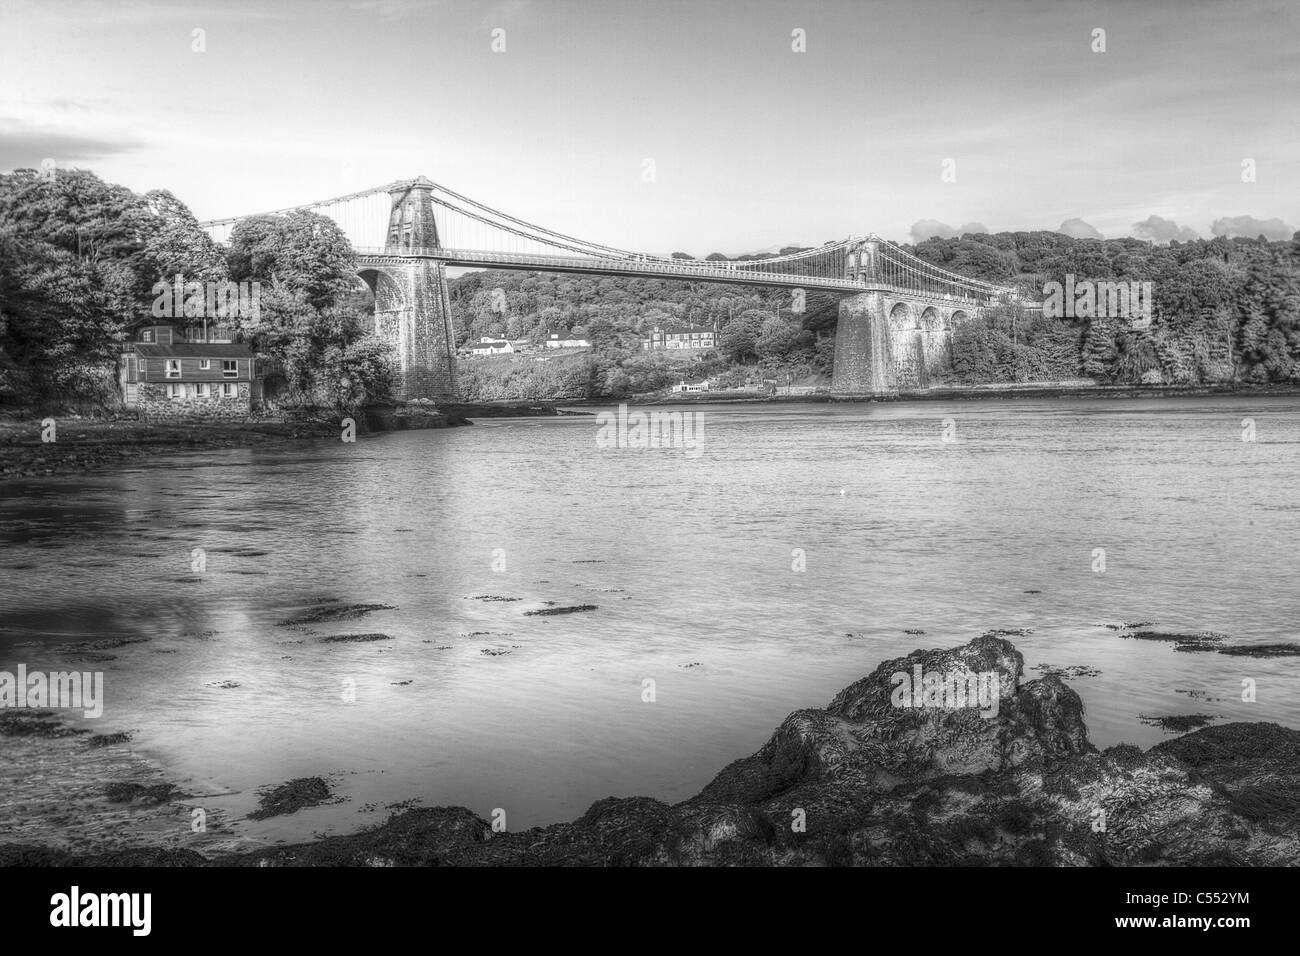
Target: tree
(313, 334)
(302, 250)
(80, 259)
(776, 338)
(738, 339)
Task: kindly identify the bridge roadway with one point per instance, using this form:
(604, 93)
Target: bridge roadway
(641, 267)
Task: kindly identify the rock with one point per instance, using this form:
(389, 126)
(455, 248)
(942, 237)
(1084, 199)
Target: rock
(291, 797)
(866, 781)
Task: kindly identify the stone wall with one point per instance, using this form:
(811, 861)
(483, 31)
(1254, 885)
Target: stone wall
(154, 405)
(864, 354)
(413, 316)
(882, 350)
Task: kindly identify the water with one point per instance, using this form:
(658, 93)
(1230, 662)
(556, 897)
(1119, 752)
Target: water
(689, 561)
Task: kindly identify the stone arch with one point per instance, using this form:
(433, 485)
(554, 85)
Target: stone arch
(955, 319)
(390, 301)
(385, 287)
(902, 317)
(930, 320)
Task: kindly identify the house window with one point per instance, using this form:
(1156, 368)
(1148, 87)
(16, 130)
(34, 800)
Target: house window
(146, 335)
(201, 390)
(230, 368)
(173, 368)
(205, 364)
(228, 390)
(175, 391)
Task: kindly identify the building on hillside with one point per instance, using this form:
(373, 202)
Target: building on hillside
(557, 341)
(489, 346)
(175, 369)
(679, 337)
(685, 386)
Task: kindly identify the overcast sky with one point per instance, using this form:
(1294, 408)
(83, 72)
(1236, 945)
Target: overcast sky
(753, 144)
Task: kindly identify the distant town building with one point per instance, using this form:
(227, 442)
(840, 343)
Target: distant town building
(489, 346)
(685, 386)
(172, 368)
(557, 341)
(679, 337)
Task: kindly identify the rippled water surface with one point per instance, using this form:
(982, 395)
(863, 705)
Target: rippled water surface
(689, 561)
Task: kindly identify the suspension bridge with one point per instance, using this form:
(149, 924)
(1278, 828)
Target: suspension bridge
(895, 318)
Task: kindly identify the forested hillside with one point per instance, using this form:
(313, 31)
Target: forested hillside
(1223, 311)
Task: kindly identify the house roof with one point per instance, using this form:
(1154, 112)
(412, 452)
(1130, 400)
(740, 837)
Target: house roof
(490, 344)
(194, 350)
(685, 329)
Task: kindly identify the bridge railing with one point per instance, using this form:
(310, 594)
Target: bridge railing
(685, 269)
(676, 268)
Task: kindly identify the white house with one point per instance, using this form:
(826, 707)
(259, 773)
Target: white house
(685, 386)
(489, 346)
(556, 341)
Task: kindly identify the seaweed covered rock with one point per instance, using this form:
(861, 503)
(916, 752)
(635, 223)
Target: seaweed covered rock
(942, 757)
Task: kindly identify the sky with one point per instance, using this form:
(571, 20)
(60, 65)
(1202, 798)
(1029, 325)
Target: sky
(895, 118)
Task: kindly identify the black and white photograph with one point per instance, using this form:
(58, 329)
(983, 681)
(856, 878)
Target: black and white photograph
(529, 435)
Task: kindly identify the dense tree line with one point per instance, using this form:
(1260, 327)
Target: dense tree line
(1223, 310)
(79, 259)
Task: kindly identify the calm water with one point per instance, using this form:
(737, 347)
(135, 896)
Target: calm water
(689, 561)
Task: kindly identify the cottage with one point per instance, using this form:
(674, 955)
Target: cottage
(556, 341)
(685, 386)
(174, 370)
(489, 346)
(680, 337)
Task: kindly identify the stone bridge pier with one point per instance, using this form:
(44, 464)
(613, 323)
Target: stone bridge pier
(886, 345)
(412, 305)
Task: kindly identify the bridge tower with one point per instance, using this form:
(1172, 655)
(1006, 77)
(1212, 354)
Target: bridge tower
(888, 339)
(864, 351)
(412, 307)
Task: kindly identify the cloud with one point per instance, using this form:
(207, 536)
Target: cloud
(26, 148)
(1250, 227)
(1161, 231)
(924, 229)
(1078, 229)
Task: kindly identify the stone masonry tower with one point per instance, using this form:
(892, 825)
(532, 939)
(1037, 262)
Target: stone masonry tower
(412, 308)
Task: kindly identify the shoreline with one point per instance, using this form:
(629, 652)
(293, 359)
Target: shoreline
(867, 781)
(961, 393)
(84, 444)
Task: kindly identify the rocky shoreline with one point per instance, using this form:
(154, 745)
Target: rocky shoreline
(88, 444)
(867, 781)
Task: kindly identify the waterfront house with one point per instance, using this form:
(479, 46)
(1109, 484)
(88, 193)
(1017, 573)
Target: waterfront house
(679, 337)
(179, 369)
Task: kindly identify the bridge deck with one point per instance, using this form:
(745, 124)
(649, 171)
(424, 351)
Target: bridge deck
(733, 273)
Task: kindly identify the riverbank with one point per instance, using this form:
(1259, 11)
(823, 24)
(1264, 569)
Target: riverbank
(87, 444)
(1033, 390)
(1009, 778)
